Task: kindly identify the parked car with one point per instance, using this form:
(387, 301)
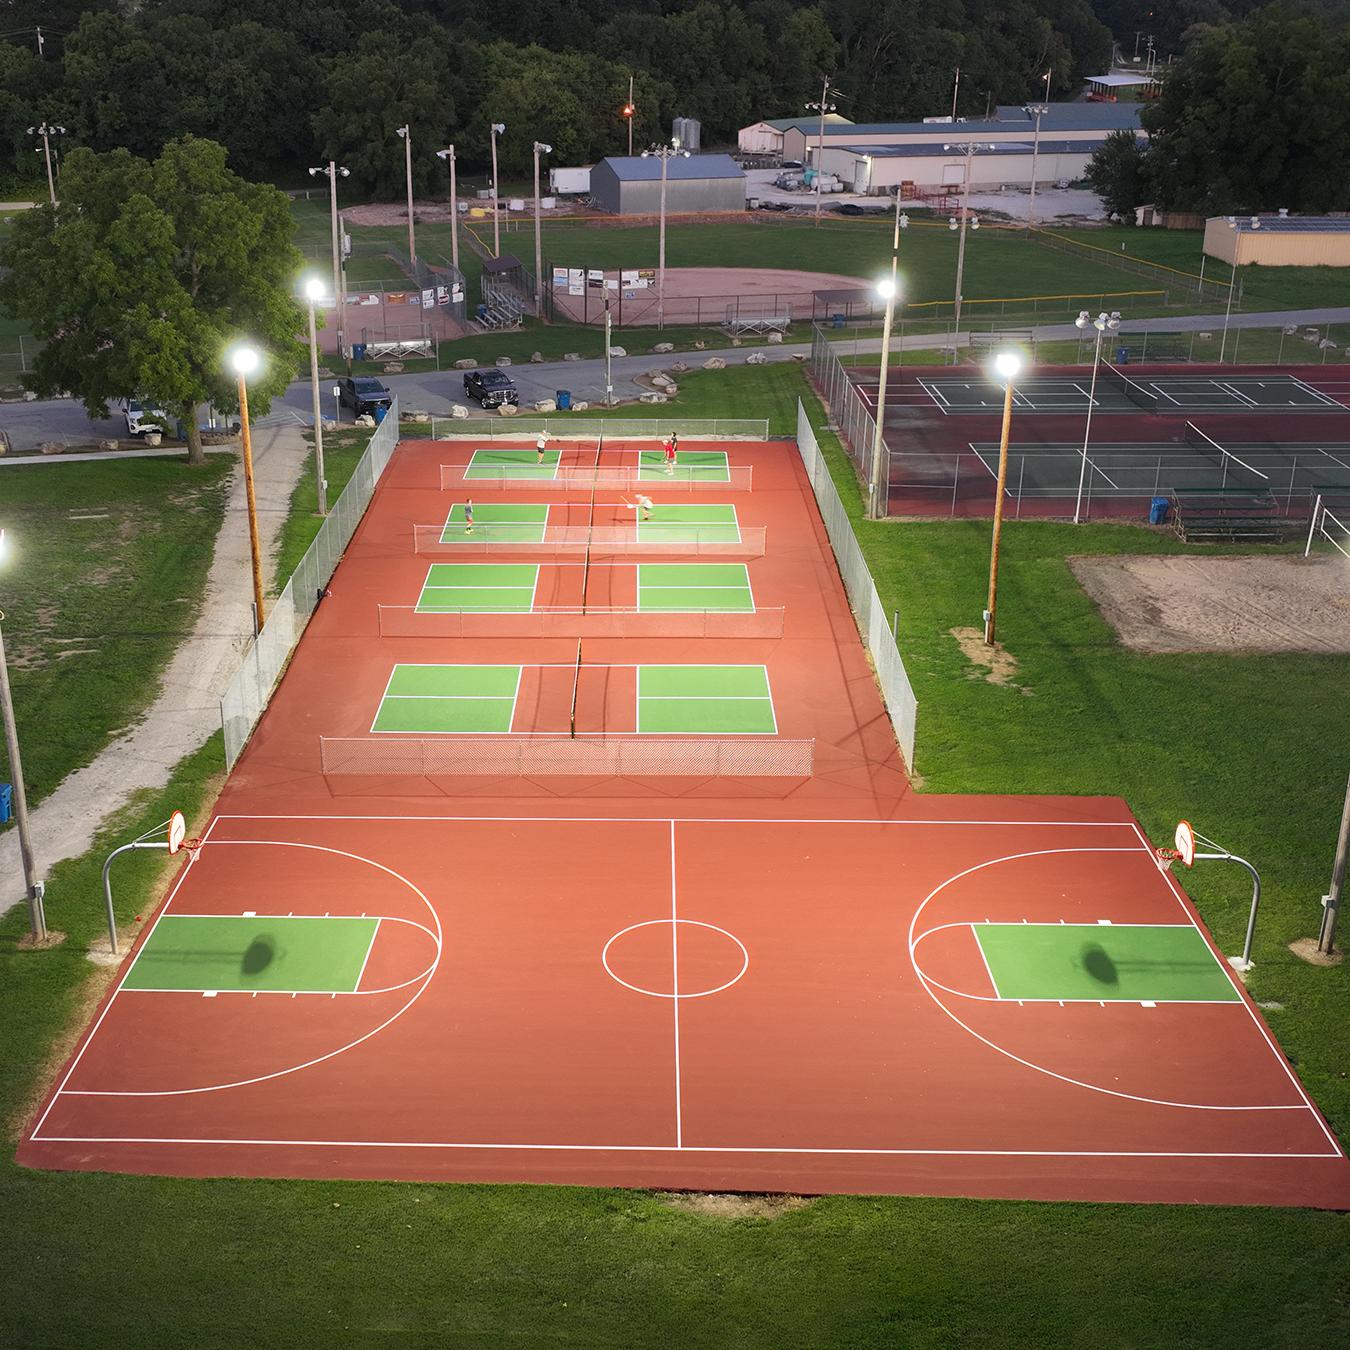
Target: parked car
(363, 395)
(143, 416)
(491, 388)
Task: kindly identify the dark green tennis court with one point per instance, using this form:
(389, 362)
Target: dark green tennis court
(724, 587)
(690, 465)
(204, 953)
(705, 700)
(479, 588)
(1135, 963)
(497, 522)
(513, 464)
(712, 522)
(448, 699)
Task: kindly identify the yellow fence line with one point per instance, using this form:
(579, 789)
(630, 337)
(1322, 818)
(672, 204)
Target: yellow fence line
(1022, 299)
(1147, 262)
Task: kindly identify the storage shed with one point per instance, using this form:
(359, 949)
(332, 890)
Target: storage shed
(1279, 241)
(626, 186)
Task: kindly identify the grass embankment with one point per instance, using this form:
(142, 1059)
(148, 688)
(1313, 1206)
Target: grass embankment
(161, 1262)
(342, 452)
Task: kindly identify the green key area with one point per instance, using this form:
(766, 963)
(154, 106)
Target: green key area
(705, 700)
(1136, 963)
(434, 700)
(479, 588)
(202, 952)
(513, 464)
(497, 522)
(714, 522)
(702, 465)
(724, 587)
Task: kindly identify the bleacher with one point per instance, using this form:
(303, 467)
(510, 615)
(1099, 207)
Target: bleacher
(1203, 516)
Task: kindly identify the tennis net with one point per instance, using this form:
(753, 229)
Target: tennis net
(458, 540)
(1122, 384)
(589, 478)
(1209, 447)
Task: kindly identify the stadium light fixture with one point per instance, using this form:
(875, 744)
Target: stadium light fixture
(406, 133)
(333, 171)
(448, 154)
(314, 293)
(1103, 323)
(497, 129)
(539, 149)
(879, 477)
(665, 153)
(46, 130)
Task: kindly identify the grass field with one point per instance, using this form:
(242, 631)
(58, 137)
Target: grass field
(1254, 750)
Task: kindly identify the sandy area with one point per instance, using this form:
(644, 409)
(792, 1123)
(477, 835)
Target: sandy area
(1170, 604)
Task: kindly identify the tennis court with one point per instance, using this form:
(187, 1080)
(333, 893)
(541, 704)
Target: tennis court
(681, 586)
(522, 464)
(503, 522)
(672, 522)
(1119, 392)
(692, 466)
(487, 588)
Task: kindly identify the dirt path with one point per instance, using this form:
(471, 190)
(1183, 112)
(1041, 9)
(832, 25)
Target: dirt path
(187, 710)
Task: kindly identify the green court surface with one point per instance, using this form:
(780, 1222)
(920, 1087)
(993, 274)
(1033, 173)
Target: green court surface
(715, 522)
(204, 952)
(703, 465)
(479, 588)
(506, 522)
(513, 464)
(685, 586)
(705, 700)
(1136, 963)
(444, 699)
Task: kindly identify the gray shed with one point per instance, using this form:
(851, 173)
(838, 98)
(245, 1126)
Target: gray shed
(626, 186)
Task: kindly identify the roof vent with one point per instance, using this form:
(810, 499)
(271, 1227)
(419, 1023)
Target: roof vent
(1284, 213)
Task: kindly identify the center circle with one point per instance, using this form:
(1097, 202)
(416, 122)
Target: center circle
(675, 958)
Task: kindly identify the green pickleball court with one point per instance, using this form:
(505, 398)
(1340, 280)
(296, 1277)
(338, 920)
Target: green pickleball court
(202, 952)
(713, 522)
(513, 464)
(1134, 963)
(497, 523)
(721, 587)
(705, 700)
(442, 700)
(700, 465)
(479, 588)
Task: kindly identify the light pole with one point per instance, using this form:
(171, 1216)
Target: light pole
(1040, 110)
(497, 129)
(1007, 364)
(825, 106)
(245, 361)
(665, 153)
(46, 130)
(628, 111)
(539, 149)
(334, 172)
(1103, 323)
(448, 154)
(1331, 902)
(969, 147)
(406, 133)
(33, 888)
(878, 495)
(1232, 278)
(314, 293)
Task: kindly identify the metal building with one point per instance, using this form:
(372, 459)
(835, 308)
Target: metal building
(632, 187)
(1279, 241)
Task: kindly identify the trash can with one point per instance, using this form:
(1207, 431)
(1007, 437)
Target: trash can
(6, 802)
(838, 320)
(358, 351)
(564, 400)
(380, 411)
(1122, 356)
(482, 313)
(1157, 513)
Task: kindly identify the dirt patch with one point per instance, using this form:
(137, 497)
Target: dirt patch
(997, 660)
(1158, 603)
(1306, 950)
(737, 1206)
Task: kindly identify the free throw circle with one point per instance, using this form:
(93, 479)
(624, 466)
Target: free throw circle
(675, 958)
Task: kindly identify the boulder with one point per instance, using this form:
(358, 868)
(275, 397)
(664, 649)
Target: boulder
(55, 448)
(618, 351)
(458, 410)
(29, 396)
(508, 410)
(756, 359)
(1326, 344)
(393, 367)
(571, 356)
(467, 363)
(654, 397)
(678, 368)
(329, 424)
(714, 363)
(670, 390)
(503, 360)
(581, 406)
(415, 415)
(545, 405)
(536, 358)
(664, 347)
(109, 445)
(700, 346)
(5, 444)
(365, 420)
(803, 357)
(775, 337)
(660, 381)
(735, 342)
(152, 438)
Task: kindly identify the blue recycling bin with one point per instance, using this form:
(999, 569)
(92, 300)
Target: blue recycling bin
(1157, 513)
(379, 414)
(1122, 356)
(838, 320)
(564, 400)
(358, 351)
(6, 802)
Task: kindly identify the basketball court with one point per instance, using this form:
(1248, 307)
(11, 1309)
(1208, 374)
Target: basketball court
(652, 909)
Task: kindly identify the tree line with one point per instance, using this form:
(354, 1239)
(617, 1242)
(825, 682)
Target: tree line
(285, 86)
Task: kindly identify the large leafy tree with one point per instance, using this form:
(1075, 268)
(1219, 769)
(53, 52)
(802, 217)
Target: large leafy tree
(1116, 173)
(1257, 116)
(143, 274)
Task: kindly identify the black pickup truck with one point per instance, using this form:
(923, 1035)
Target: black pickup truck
(491, 388)
(363, 395)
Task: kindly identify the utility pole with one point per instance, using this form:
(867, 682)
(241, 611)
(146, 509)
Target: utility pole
(1040, 109)
(665, 153)
(956, 88)
(539, 149)
(406, 133)
(46, 130)
(448, 154)
(334, 172)
(628, 112)
(825, 106)
(969, 147)
(497, 129)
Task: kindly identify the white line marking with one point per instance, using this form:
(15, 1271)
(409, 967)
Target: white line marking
(979, 947)
(365, 961)
(675, 985)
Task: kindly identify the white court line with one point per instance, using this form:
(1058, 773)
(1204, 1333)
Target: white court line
(675, 986)
(988, 970)
(713, 820)
(366, 961)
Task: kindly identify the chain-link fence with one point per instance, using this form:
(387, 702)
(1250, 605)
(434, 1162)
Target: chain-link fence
(896, 690)
(251, 688)
(856, 425)
(569, 427)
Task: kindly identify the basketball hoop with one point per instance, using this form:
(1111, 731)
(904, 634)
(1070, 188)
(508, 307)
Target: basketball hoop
(1185, 842)
(177, 831)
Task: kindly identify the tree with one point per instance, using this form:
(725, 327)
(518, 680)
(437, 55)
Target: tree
(1116, 173)
(143, 274)
(1257, 116)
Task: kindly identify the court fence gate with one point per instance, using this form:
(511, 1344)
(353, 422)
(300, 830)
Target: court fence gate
(896, 691)
(250, 691)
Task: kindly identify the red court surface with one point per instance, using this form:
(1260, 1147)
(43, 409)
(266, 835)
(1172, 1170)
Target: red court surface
(720, 984)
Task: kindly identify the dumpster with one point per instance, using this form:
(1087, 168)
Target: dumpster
(563, 398)
(1122, 356)
(1157, 513)
(6, 802)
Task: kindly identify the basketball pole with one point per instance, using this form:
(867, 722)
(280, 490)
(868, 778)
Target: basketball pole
(1331, 902)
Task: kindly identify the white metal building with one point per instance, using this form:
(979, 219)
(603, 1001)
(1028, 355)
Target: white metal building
(766, 138)
(626, 186)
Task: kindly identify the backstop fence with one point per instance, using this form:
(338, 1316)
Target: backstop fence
(569, 427)
(248, 693)
(896, 690)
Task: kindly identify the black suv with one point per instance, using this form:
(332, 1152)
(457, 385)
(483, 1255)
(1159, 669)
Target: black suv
(364, 395)
(491, 388)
